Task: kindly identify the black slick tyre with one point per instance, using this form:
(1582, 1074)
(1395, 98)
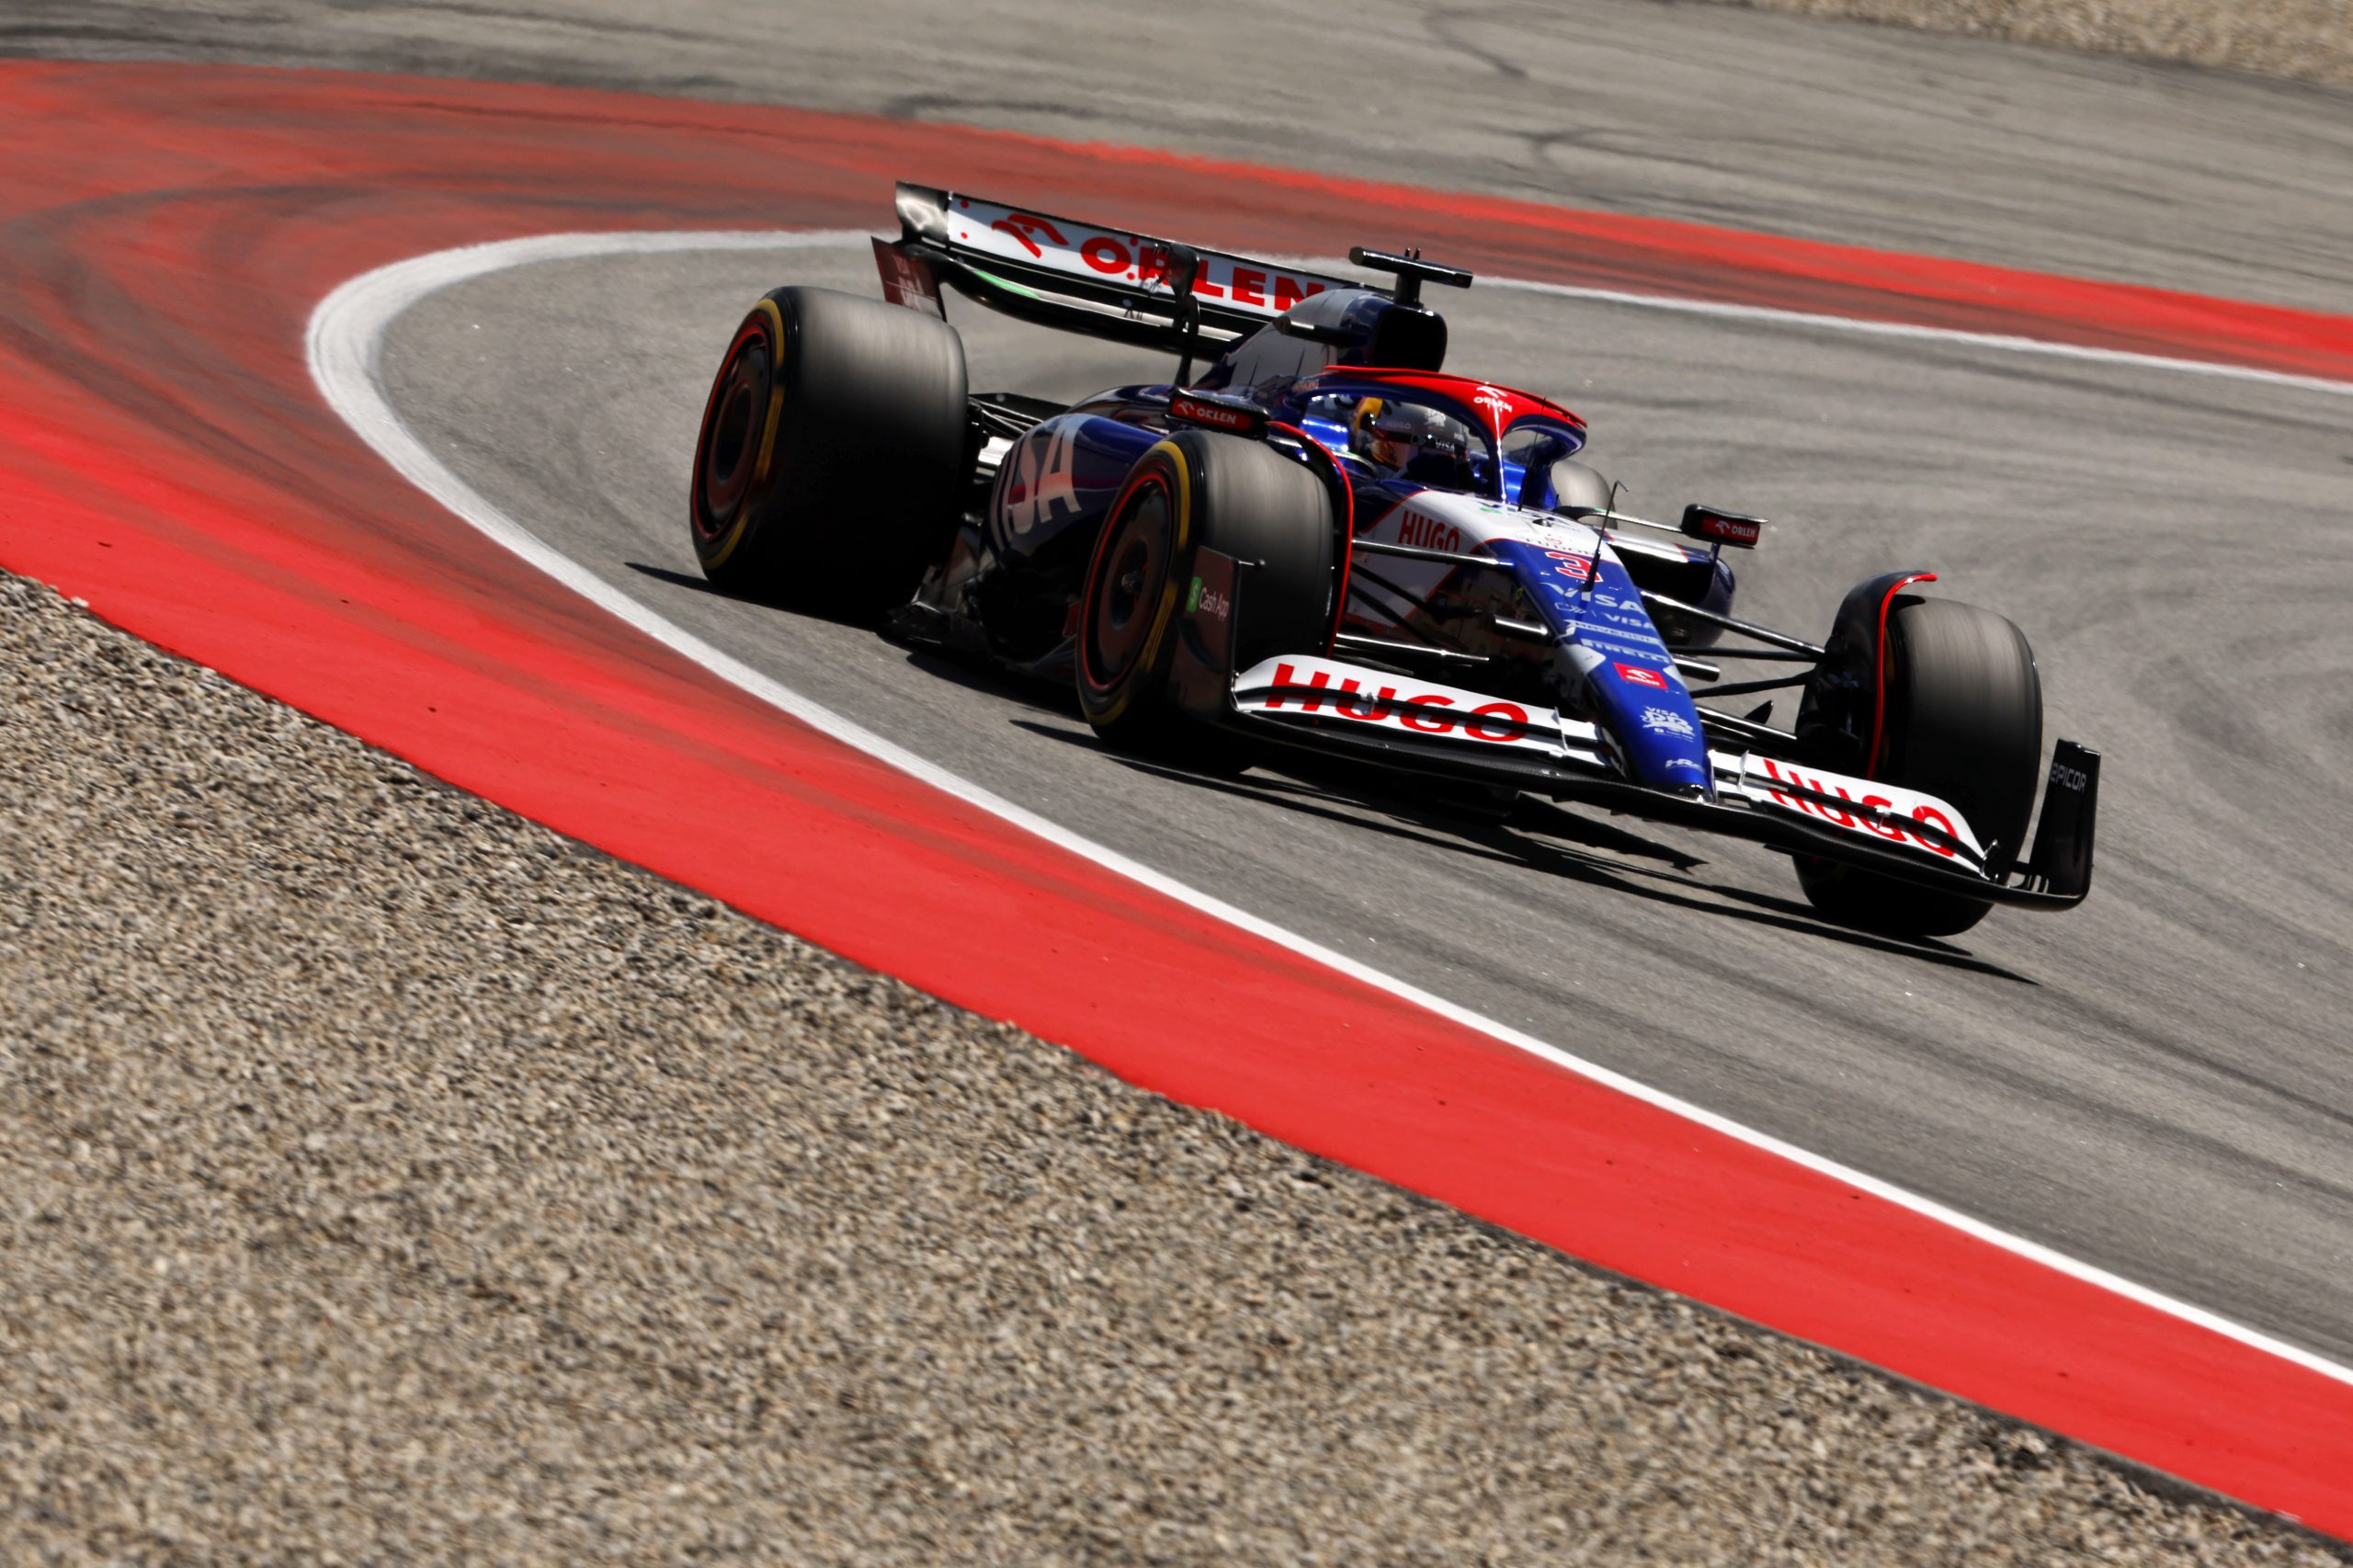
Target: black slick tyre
(1199, 490)
(831, 462)
(1963, 720)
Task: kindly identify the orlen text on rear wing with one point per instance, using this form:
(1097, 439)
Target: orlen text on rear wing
(1083, 276)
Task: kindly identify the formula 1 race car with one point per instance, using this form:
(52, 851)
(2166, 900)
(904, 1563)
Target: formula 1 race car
(1325, 541)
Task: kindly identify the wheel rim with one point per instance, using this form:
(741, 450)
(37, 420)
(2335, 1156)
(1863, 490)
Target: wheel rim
(1134, 577)
(732, 433)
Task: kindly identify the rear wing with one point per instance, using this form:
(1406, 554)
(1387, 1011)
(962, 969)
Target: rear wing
(1083, 276)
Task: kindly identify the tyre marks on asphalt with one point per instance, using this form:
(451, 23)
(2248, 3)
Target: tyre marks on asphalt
(169, 468)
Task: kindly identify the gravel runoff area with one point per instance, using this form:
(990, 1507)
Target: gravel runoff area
(384, 1177)
(2309, 41)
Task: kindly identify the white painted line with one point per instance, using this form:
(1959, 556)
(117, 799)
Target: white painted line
(1810, 320)
(345, 342)
(2007, 344)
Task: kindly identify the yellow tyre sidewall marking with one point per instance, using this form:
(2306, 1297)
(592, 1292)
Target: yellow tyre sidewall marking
(775, 390)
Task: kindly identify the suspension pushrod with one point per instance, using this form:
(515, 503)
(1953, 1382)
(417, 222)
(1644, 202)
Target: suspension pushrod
(1746, 629)
(1740, 687)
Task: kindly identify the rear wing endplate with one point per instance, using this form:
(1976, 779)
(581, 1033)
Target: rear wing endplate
(1084, 277)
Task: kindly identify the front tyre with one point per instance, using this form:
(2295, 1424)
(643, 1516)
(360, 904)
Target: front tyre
(831, 461)
(1962, 721)
(1199, 490)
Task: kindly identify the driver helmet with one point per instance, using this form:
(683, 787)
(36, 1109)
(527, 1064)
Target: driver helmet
(1393, 434)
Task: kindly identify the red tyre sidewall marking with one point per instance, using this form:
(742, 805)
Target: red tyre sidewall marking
(749, 332)
(1880, 670)
(167, 460)
(1137, 485)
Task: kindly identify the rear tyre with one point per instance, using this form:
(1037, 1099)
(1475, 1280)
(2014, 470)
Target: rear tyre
(1199, 490)
(831, 459)
(1963, 722)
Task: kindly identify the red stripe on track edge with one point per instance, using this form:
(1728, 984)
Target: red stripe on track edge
(167, 460)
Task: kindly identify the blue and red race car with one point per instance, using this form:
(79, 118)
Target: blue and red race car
(1323, 539)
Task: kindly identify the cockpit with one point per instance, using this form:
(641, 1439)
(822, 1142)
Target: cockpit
(1394, 431)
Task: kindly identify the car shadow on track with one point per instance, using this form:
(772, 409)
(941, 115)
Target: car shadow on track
(1762, 909)
(1541, 836)
(687, 580)
(1306, 799)
(704, 585)
(1034, 693)
(939, 665)
(1521, 831)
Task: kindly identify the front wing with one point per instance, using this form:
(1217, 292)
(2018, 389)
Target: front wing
(1401, 721)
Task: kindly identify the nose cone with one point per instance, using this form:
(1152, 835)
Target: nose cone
(1576, 583)
(1647, 711)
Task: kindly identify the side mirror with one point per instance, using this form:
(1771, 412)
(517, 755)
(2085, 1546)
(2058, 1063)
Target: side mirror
(1720, 527)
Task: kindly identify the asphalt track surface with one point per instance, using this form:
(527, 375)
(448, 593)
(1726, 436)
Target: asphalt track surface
(2156, 1083)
